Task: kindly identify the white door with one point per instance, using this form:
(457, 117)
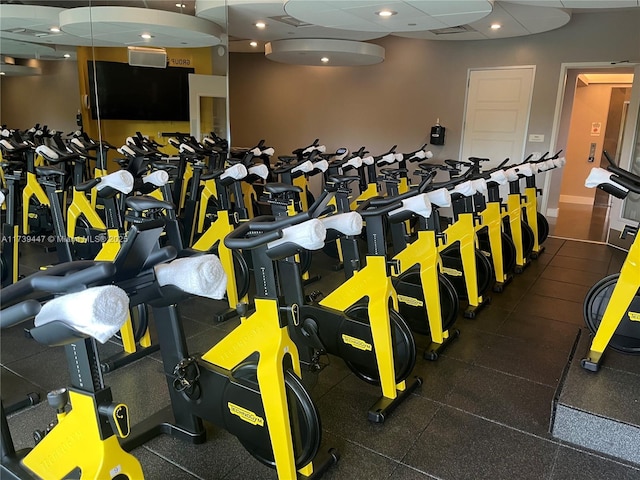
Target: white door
(208, 109)
(497, 114)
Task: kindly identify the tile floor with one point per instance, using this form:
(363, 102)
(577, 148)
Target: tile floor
(580, 222)
(483, 411)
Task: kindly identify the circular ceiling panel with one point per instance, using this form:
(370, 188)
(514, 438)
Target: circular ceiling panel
(513, 20)
(19, 49)
(19, 70)
(20, 17)
(402, 15)
(324, 52)
(139, 27)
(33, 24)
(242, 19)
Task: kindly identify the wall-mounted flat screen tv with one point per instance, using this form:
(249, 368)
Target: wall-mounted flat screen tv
(139, 93)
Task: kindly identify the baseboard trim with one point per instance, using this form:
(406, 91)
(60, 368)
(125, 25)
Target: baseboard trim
(576, 199)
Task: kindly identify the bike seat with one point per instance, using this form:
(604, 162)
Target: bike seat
(343, 178)
(12, 165)
(144, 202)
(277, 188)
(163, 166)
(49, 171)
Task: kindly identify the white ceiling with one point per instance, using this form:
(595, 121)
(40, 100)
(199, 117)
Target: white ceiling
(25, 26)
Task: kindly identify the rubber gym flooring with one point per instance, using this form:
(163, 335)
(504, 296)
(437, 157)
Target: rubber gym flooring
(483, 411)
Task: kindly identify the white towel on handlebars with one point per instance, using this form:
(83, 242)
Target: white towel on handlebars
(98, 311)
(349, 223)
(157, 178)
(122, 181)
(237, 172)
(499, 177)
(559, 162)
(203, 275)
(309, 235)
(388, 158)
(512, 174)
(418, 204)
(321, 165)
(304, 167)
(480, 185)
(260, 170)
(355, 162)
(465, 188)
(599, 176)
(46, 152)
(126, 150)
(440, 197)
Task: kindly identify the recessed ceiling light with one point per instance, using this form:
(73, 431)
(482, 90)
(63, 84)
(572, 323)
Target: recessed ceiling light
(55, 29)
(495, 26)
(261, 24)
(146, 36)
(181, 5)
(253, 44)
(66, 55)
(386, 13)
(324, 59)
(2, 73)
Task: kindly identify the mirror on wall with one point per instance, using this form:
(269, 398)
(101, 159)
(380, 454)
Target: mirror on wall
(38, 66)
(114, 68)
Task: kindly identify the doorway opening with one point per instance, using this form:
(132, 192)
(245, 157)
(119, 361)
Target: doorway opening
(595, 106)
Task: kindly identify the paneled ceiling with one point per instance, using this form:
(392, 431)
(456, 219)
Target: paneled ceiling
(292, 31)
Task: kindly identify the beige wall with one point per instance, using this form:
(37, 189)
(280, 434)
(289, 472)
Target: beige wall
(398, 100)
(590, 104)
(49, 99)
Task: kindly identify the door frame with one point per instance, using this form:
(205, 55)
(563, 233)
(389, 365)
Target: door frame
(205, 86)
(629, 130)
(466, 99)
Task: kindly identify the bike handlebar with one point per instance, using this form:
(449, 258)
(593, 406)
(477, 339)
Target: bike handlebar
(377, 206)
(19, 313)
(64, 278)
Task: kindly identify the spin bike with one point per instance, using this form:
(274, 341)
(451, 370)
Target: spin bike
(135, 335)
(84, 441)
(427, 299)
(358, 321)
(612, 306)
(36, 218)
(249, 382)
(466, 267)
(493, 241)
